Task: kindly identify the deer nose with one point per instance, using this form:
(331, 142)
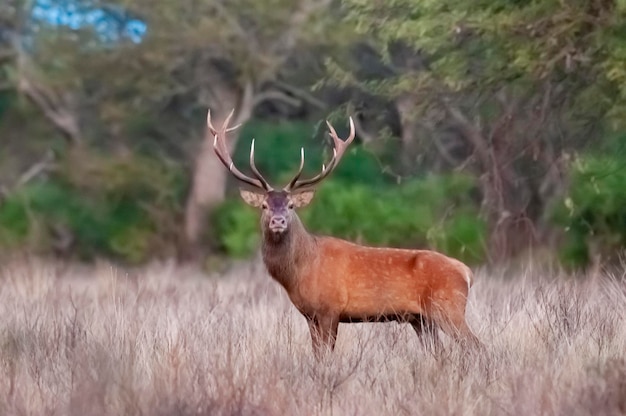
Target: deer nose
(278, 223)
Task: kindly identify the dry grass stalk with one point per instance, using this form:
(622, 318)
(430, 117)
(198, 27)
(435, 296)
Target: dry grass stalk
(166, 341)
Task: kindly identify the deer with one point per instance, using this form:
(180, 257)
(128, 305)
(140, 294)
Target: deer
(332, 281)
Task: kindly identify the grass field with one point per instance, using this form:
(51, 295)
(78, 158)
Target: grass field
(171, 341)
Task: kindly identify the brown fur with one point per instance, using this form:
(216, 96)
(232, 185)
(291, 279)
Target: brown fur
(330, 280)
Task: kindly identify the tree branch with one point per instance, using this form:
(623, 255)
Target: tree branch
(285, 43)
(365, 136)
(276, 95)
(302, 94)
(444, 152)
(471, 133)
(43, 165)
(55, 107)
(250, 42)
(246, 104)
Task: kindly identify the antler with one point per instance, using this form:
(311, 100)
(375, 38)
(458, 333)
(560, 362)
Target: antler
(339, 148)
(221, 150)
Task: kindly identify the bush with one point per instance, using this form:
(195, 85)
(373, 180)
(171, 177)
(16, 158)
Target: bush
(592, 212)
(14, 223)
(436, 211)
(108, 206)
(277, 153)
(236, 227)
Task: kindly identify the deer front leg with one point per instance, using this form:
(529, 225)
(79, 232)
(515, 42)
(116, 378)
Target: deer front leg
(426, 332)
(323, 334)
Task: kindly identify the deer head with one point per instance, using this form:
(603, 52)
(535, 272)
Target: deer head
(277, 205)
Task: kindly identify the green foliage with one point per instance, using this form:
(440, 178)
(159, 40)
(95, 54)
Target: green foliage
(131, 176)
(6, 101)
(461, 235)
(436, 211)
(592, 211)
(115, 208)
(277, 152)
(237, 228)
(477, 43)
(14, 223)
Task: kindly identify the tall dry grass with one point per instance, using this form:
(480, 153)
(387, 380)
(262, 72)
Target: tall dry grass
(168, 341)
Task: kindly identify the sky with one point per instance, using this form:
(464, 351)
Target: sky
(111, 24)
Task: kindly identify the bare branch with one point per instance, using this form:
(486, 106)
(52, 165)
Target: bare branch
(276, 95)
(289, 38)
(366, 136)
(285, 44)
(54, 107)
(247, 103)
(43, 165)
(302, 94)
(471, 133)
(444, 152)
(250, 42)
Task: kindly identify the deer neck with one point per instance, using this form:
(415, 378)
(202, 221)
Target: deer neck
(288, 253)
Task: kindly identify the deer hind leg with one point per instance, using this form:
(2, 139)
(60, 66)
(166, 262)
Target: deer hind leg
(426, 331)
(450, 317)
(323, 334)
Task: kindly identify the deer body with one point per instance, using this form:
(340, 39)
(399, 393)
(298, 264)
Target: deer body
(330, 280)
(355, 282)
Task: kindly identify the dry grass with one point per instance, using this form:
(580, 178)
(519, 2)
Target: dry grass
(166, 341)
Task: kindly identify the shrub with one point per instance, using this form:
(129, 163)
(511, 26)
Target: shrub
(107, 204)
(236, 227)
(277, 153)
(14, 223)
(592, 211)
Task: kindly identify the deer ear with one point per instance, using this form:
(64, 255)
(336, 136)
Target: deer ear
(252, 198)
(302, 199)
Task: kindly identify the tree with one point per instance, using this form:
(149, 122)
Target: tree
(503, 89)
(23, 75)
(87, 68)
(219, 55)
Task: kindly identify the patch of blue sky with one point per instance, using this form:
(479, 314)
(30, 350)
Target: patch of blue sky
(109, 23)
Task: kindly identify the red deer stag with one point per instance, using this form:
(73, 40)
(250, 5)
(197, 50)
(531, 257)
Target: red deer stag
(330, 280)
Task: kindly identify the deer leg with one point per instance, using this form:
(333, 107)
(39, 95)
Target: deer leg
(451, 319)
(323, 334)
(426, 330)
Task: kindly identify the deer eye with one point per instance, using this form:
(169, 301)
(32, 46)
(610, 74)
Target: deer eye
(264, 205)
(290, 205)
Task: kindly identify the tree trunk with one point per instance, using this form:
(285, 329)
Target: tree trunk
(406, 107)
(208, 183)
(506, 195)
(208, 189)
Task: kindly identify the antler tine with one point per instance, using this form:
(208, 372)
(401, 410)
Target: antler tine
(221, 151)
(339, 148)
(214, 131)
(256, 172)
(291, 183)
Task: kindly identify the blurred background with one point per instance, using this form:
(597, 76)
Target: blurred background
(489, 130)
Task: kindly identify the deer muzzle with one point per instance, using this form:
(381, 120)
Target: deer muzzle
(278, 224)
